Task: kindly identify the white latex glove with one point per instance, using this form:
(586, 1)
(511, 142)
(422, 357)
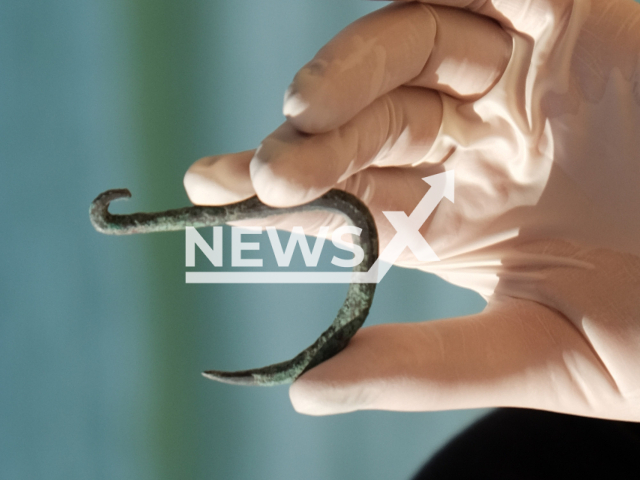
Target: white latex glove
(535, 104)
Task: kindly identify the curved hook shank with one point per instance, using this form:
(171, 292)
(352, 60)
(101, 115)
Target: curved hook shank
(351, 315)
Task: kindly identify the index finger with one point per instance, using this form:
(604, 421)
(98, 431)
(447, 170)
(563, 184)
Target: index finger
(448, 49)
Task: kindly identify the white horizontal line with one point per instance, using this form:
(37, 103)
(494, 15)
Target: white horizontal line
(279, 277)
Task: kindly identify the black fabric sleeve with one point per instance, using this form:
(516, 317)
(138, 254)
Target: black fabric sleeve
(531, 444)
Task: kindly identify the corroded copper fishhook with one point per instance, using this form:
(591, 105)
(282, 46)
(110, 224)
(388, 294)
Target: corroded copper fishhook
(351, 315)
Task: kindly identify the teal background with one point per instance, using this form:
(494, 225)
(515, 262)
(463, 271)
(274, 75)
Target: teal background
(101, 341)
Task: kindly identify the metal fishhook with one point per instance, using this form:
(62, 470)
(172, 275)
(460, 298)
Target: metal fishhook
(351, 315)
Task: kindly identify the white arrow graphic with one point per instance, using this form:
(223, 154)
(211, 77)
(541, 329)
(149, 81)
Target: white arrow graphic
(408, 227)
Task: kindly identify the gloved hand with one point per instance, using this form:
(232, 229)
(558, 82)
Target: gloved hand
(535, 107)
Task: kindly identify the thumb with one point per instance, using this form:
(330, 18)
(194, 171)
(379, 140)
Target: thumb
(515, 353)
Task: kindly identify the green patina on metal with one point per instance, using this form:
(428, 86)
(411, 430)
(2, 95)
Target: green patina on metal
(351, 315)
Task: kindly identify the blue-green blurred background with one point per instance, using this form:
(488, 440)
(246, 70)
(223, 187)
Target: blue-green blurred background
(101, 341)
